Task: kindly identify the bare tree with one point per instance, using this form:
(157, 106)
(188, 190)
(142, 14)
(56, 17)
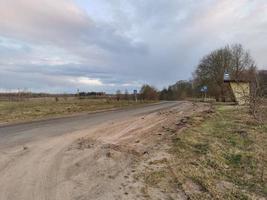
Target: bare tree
(126, 95)
(211, 68)
(148, 93)
(257, 95)
(180, 90)
(262, 77)
(241, 61)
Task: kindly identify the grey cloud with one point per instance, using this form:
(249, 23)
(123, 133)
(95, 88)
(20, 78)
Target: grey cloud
(157, 42)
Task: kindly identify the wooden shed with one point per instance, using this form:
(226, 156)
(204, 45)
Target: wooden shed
(240, 90)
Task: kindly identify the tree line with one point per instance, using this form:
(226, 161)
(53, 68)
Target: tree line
(234, 60)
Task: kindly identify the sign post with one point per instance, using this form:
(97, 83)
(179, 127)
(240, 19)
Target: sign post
(204, 91)
(135, 95)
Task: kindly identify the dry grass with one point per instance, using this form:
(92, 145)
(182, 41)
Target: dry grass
(226, 156)
(264, 110)
(12, 111)
(221, 157)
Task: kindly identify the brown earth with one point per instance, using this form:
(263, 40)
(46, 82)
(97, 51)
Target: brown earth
(108, 161)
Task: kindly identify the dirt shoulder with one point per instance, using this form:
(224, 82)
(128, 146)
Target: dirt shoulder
(221, 154)
(184, 152)
(102, 162)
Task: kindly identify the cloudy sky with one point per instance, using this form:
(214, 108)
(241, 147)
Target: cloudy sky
(105, 45)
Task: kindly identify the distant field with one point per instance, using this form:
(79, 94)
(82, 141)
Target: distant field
(38, 108)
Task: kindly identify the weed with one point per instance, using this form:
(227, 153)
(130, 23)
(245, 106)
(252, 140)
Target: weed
(223, 147)
(155, 177)
(234, 159)
(201, 148)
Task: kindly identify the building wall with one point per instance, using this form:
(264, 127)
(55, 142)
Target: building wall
(241, 91)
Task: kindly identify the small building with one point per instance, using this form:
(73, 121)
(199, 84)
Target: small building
(240, 90)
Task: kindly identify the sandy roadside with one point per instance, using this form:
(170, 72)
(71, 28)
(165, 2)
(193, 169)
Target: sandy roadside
(102, 162)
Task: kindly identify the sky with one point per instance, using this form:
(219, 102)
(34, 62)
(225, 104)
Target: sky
(105, 45)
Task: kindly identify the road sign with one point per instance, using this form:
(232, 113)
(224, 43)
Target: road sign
(204, 91)
(226, 76)
(204, 88)
(135, 95)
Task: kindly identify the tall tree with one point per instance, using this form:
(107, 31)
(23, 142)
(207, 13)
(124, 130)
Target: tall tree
(180, 90)
(148, 93)
(241, 61)
(262, 77)
(211, 68)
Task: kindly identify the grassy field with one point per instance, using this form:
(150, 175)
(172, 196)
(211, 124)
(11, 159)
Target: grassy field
(12, 111)
(223, 156)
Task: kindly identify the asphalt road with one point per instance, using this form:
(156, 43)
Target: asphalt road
(18, 134)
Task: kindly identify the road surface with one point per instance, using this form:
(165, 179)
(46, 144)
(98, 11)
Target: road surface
(93, 156)
(19, 134)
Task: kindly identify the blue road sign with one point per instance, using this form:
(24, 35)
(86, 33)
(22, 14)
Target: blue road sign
(204, 88)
